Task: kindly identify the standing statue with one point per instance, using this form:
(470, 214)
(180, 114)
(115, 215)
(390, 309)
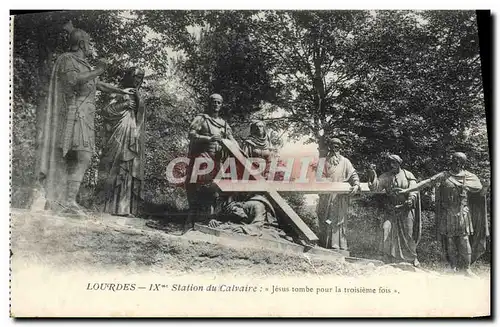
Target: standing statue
(68, 137)
(258, 144)
(333, 209)
(205, 133)
(462, 224)
(402, 228)
(122, 162)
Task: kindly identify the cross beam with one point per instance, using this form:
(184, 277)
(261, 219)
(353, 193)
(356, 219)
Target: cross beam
(279, 204)
(306, 188)
(277, 201)
(271, 189)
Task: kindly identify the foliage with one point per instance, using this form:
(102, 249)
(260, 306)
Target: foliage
(385, 81)
(23, 156)
(315, 65)
(425, 97)
(168, 119)
(217, 55)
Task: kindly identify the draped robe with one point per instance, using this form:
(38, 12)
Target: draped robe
(253, 143)
(402, 226)
(333, 208)
(122, 161)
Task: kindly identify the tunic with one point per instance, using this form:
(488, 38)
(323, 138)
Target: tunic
(79, 131)
(211, 150)
(334, 208)
(403, 226)
(461, 209)
(454, 215)
(67, 124)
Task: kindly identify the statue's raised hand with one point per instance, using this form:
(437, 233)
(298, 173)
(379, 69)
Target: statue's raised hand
(102, 64)
(398, 190)
(129, 91)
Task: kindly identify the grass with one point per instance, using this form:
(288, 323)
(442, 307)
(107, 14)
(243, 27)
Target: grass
(66, 242)
(70, 242)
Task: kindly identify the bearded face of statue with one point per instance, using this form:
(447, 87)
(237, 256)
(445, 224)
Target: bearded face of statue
(394, 166)
(334, 147)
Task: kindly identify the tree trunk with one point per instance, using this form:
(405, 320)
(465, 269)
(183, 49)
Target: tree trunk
(322, 147)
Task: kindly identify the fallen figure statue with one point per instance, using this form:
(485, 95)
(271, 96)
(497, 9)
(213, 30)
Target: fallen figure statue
(254, 216)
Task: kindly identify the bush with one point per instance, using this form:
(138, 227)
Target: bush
(23, 153)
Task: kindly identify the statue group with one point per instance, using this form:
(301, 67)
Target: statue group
(68, 133)
(68, 143)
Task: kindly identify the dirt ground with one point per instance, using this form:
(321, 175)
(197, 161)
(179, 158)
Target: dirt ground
(63, 242)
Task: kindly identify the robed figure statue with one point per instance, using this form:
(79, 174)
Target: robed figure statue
(462, 223)
(402, 224)
(121, 168)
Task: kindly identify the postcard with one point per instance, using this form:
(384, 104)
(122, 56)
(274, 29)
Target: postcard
(250, 163)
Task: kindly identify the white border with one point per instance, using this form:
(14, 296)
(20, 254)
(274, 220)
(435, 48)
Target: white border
(187, 4)
(256, 4)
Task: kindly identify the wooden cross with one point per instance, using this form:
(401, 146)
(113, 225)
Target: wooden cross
(271, 189)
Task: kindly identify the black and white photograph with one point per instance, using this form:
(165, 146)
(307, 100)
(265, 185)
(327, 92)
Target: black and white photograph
(250, 163)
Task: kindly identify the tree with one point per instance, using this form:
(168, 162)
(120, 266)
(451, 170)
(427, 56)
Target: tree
(217, 55)
(425, 97)
(387, 81)
(316, 66)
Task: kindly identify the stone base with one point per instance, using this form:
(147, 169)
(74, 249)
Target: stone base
(274, 244)
(215, 236)
(135, 222)
(97, 217)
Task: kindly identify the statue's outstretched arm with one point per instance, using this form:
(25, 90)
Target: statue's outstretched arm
(75, 77)
(425, 183)
(109, 88)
